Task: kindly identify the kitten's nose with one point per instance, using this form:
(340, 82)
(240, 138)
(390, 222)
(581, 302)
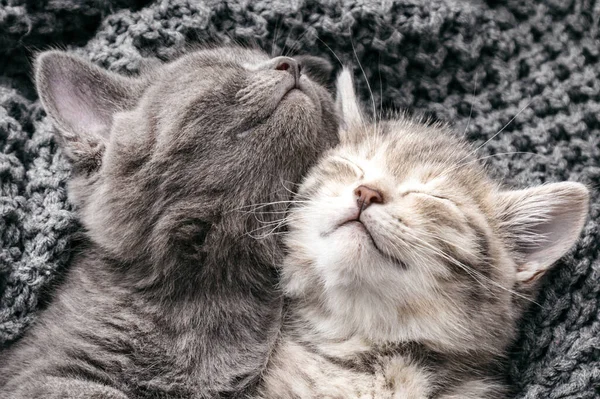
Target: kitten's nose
(367, 196)
(288, 64)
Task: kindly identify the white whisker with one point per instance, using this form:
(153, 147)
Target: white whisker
(499, 131)
(368, 86)
(265, 204)
(472, 272)
(472, 102)
(330, 49)
(459, 165)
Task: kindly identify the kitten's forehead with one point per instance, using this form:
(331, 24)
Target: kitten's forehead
(405, 148)
(406, 143)
(205, 68)
(233, 57)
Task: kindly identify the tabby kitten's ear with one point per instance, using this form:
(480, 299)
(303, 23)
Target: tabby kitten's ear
(348, 108)
(82, 99)
(542, 223)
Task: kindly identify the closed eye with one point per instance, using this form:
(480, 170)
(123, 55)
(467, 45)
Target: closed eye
(429, 195)
(357, 169)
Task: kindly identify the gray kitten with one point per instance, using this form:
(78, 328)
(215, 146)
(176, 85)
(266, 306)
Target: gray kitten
(408, 268)
(170, 297)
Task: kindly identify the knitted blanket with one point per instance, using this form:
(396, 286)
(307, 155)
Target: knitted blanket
(523, 74)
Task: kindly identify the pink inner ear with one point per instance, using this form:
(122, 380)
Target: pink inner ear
(549, 236)
(546, 222)
(528, 273)
(78, 107)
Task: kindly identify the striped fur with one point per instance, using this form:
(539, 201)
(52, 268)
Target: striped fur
(418, 297)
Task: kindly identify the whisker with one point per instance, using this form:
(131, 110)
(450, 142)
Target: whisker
(262, 237)
(380, 87)
(278, 224)
(285, 43)
(265, 212)
(470, 270)
(491, 156)
(368, 86)
(499, 131)
(439, 238)
(438, 252)
(330, 49)
(297, 42)
(421, 255)
(472, 102)
(264, 205)
(275, 37)
(291, 182)
(296, 195)
(285, 219)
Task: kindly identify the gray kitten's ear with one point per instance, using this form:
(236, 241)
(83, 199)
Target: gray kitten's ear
(316, 68)
(347, 107)
(81, 99)
(542, 223)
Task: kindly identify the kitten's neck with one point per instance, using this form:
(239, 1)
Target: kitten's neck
(197, 306)
(229, 270)
(337, 316)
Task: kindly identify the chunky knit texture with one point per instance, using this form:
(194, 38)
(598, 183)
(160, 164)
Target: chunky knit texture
(476, 64)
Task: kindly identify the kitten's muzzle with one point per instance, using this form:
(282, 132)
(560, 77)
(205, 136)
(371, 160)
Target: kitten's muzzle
(365, 197)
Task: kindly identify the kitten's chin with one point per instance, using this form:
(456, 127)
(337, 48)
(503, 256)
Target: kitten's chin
(352, 232)
(297, 98)
(293, 94)
(355, 225)
(356, 233)
(302, 98)
(353, 243)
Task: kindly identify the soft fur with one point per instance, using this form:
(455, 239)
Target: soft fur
(418, 294)
(170, 295)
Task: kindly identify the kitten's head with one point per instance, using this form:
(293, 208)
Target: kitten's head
(399, 235)
(168, 163)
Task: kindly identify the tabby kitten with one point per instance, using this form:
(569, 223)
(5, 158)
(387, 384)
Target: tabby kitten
(169, 296)
(408, 268)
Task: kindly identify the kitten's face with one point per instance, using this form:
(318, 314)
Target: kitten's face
(178, 155)
(386, 210)
(401, 236)
(237, 110)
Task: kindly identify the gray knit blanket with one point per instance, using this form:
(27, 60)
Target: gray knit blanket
(527, 69)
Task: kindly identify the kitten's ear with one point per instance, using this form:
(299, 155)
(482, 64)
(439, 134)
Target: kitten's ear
(542, 224)
(347, 106)
(81, 99)
(316, 68)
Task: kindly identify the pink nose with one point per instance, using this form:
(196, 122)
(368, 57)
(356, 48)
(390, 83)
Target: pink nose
(367, 196)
